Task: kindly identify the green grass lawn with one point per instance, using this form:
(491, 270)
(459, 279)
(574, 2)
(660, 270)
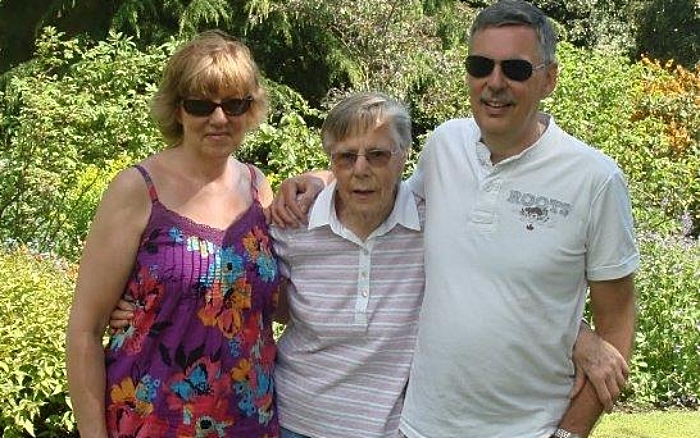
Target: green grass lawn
(657, 424)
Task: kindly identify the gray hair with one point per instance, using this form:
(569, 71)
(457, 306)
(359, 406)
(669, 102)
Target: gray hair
(518, 12)
(362, 112)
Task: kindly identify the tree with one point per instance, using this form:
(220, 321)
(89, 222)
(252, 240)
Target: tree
(21, 23)
(668, 29)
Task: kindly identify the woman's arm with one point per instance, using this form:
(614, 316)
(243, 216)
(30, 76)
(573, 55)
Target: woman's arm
(106, 262)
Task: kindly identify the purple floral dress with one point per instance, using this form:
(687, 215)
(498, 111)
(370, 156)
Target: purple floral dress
(197, 360)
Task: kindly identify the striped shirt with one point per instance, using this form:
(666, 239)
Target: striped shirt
(344, 358)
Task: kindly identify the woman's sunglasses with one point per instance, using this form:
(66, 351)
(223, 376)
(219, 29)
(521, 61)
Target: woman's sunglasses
(515, 69)
(203, 107)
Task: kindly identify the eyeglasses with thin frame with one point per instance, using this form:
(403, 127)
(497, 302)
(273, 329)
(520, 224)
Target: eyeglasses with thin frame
(204, 107)
(518, 70)
(375, 157)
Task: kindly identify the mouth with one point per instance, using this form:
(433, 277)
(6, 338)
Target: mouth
(496, 104)
(363, 193)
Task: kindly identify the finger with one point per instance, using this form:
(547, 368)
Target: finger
(604, 395)
(297, 205)
(122, 314)
(579, 382)
(625, 369)
(280, 215)
(621, 379)
(116, 324)
(299, 208)
(126, 306)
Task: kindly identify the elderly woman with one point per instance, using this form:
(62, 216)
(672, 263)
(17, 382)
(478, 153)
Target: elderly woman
(183, 237)
(356, 281)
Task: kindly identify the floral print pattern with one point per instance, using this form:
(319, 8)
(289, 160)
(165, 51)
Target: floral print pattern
(197, 359)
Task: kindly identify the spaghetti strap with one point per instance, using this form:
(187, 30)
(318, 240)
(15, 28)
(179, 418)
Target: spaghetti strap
(149, 183)
(253, 181)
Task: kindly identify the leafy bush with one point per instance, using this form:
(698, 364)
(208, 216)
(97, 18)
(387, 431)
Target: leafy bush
(666, 365)
(35, 293)
(645, 116)
(289, 143)
(669, 100)
(668, 30)
(70, 112)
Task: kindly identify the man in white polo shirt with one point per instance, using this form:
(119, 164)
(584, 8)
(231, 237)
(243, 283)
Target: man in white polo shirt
(522, 218)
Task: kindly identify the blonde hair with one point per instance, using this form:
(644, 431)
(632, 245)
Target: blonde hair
(211, 63)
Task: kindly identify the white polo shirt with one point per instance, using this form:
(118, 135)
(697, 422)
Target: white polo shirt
(509, 250)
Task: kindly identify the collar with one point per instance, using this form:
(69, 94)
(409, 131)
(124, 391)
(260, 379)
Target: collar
(404, 213)
(483, 153)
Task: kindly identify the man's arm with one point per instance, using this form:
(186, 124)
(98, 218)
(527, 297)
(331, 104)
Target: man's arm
(295, 195)
(613, 304)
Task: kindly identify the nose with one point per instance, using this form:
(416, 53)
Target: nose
(218, 115)
(496, 80)
(361, 164)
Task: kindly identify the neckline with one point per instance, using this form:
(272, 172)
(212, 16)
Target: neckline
(204, 226)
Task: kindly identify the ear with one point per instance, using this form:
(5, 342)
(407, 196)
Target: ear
(551, 78)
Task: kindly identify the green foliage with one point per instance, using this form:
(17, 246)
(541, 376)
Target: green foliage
(287, 145)
(669, 101)
(35, 293)
(363, 45)
(442, 96)
(665, 365)
(623, 109)
(153, 22)
(69, 114)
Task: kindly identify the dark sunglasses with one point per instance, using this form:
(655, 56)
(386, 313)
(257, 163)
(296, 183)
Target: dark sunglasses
(375, 157)
(515, 69)
(203, 107)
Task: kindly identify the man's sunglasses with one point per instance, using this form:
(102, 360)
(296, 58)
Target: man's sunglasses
(375, 157)
(515, 69)
(203, 107)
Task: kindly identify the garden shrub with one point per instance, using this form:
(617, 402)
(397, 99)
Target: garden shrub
(35, 294)
(71, 109)
(666, 359)
(289, 143)
(647, 118)
(670, 99)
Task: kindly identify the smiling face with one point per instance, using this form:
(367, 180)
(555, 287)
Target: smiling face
(365, 193)
(506, 110)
